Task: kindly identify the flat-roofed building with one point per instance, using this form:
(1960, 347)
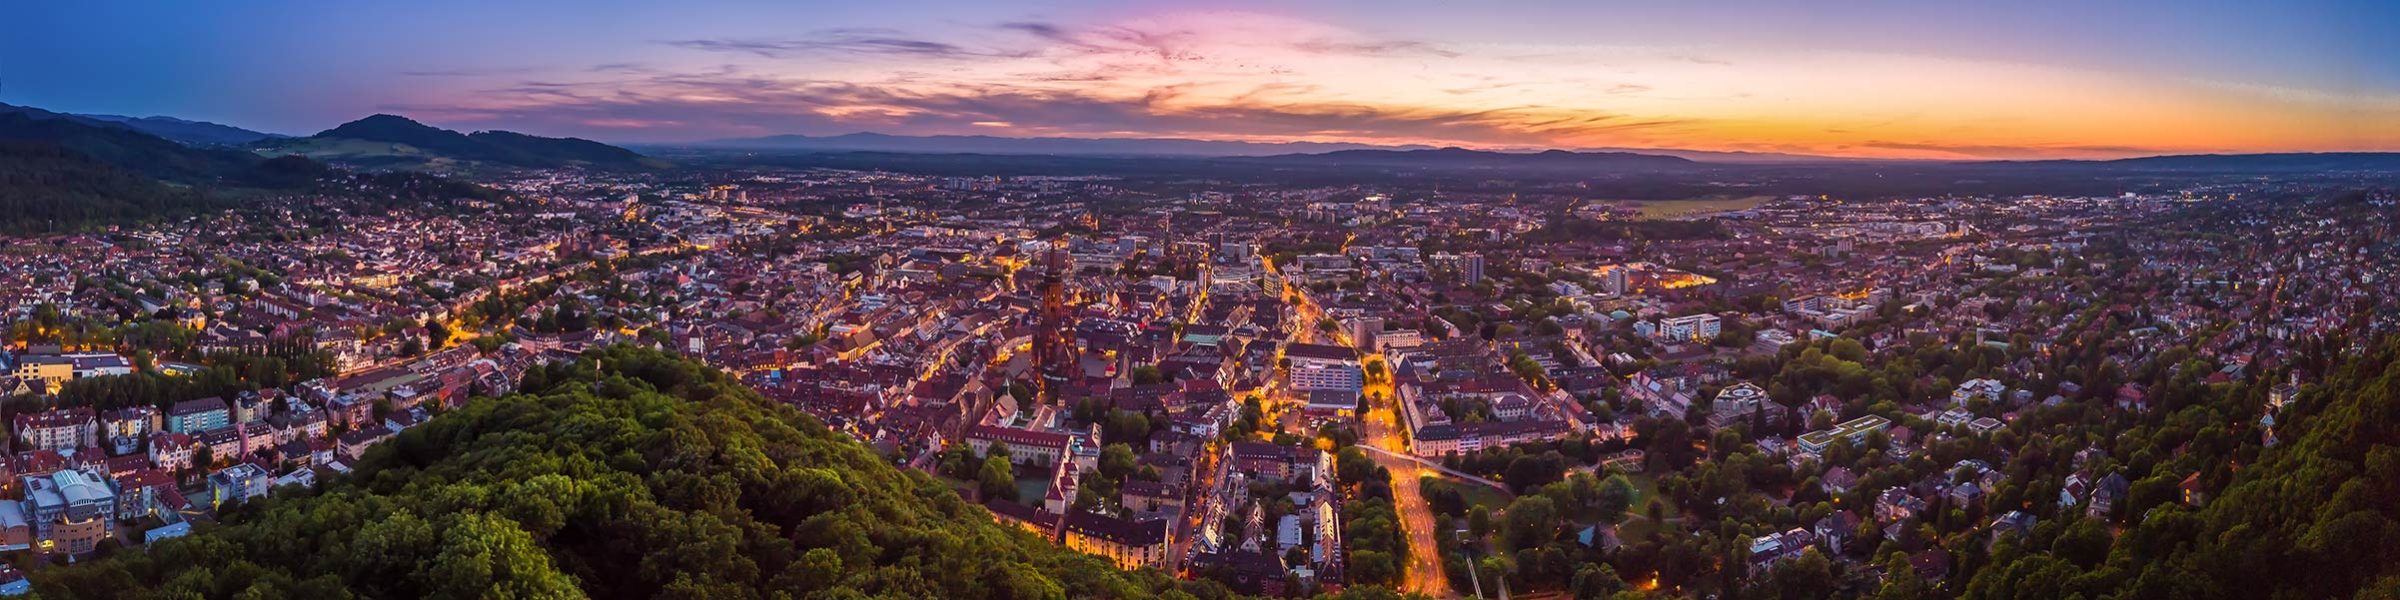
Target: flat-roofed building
(71, 510)
(1853, 431)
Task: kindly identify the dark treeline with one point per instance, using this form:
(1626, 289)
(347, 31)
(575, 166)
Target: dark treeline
(51, 188)
(225, 374)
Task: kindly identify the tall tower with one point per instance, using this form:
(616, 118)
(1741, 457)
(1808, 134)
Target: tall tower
(1052, 356)
(1166, 245)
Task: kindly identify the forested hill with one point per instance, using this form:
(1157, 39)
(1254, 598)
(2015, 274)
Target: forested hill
(650, 477)
(393, 141)
(63, 172)
(2317, 516)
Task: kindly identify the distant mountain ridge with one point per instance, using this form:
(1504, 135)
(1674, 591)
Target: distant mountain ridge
(393, 141)
(1063, 146)
(187, 132)
(2263, 162)
(197, 133)
(1168, 147)
(1461, 158)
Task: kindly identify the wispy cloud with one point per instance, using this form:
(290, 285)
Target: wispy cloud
(845, 41)
(746, 104)
(1162, 44)
(484, 72)
(1375, 48)
(1232, 75)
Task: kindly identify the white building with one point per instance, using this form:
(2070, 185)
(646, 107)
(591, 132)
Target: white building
(1699, 328)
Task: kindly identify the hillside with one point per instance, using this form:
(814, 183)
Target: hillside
(196, 133)
(565, 150)
(392, 141)
(651, 476)
(124, 147)
(45, 187)
(59, 172)
(2317, 516)
(64, 172)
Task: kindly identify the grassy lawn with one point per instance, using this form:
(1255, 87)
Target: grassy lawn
(1637, 523)
(1646, 494)
(1485, 497)
(1671, 209)
(1633, 530)
(1475, 495)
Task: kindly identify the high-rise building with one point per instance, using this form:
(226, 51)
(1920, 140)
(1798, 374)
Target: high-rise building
(1363, 331)
(1471, 265)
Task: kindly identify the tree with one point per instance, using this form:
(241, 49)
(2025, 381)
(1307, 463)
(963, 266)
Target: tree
(486, 557)
(1529, 522)
(1147, 375)
(1615, 496)
(819, 568)
(1528, 472)
(997, 479)
(1808, 576)
(439, 332)
(1126, 427)
(1594, 581)
(1117, 461)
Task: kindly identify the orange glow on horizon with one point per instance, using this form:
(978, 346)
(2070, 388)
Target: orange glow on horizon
(1239, 76)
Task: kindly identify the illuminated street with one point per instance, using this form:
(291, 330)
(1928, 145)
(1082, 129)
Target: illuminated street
(1424, 571)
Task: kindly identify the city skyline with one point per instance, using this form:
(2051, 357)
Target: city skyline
(2048, 80)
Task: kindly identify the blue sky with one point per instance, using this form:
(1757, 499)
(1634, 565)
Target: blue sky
(2037, 78)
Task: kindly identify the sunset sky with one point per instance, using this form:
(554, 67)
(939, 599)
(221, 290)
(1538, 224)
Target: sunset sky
(1899, 79)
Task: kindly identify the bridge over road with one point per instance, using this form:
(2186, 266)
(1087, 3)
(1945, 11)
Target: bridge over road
(1444, 471)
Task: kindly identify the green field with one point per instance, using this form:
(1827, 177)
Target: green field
(1645, 488)
(1483, 496)
(1677, 209)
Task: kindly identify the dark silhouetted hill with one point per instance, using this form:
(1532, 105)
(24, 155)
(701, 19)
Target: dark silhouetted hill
(392, 141)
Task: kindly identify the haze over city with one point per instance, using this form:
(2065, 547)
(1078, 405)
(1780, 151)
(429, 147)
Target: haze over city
(1876, 79)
